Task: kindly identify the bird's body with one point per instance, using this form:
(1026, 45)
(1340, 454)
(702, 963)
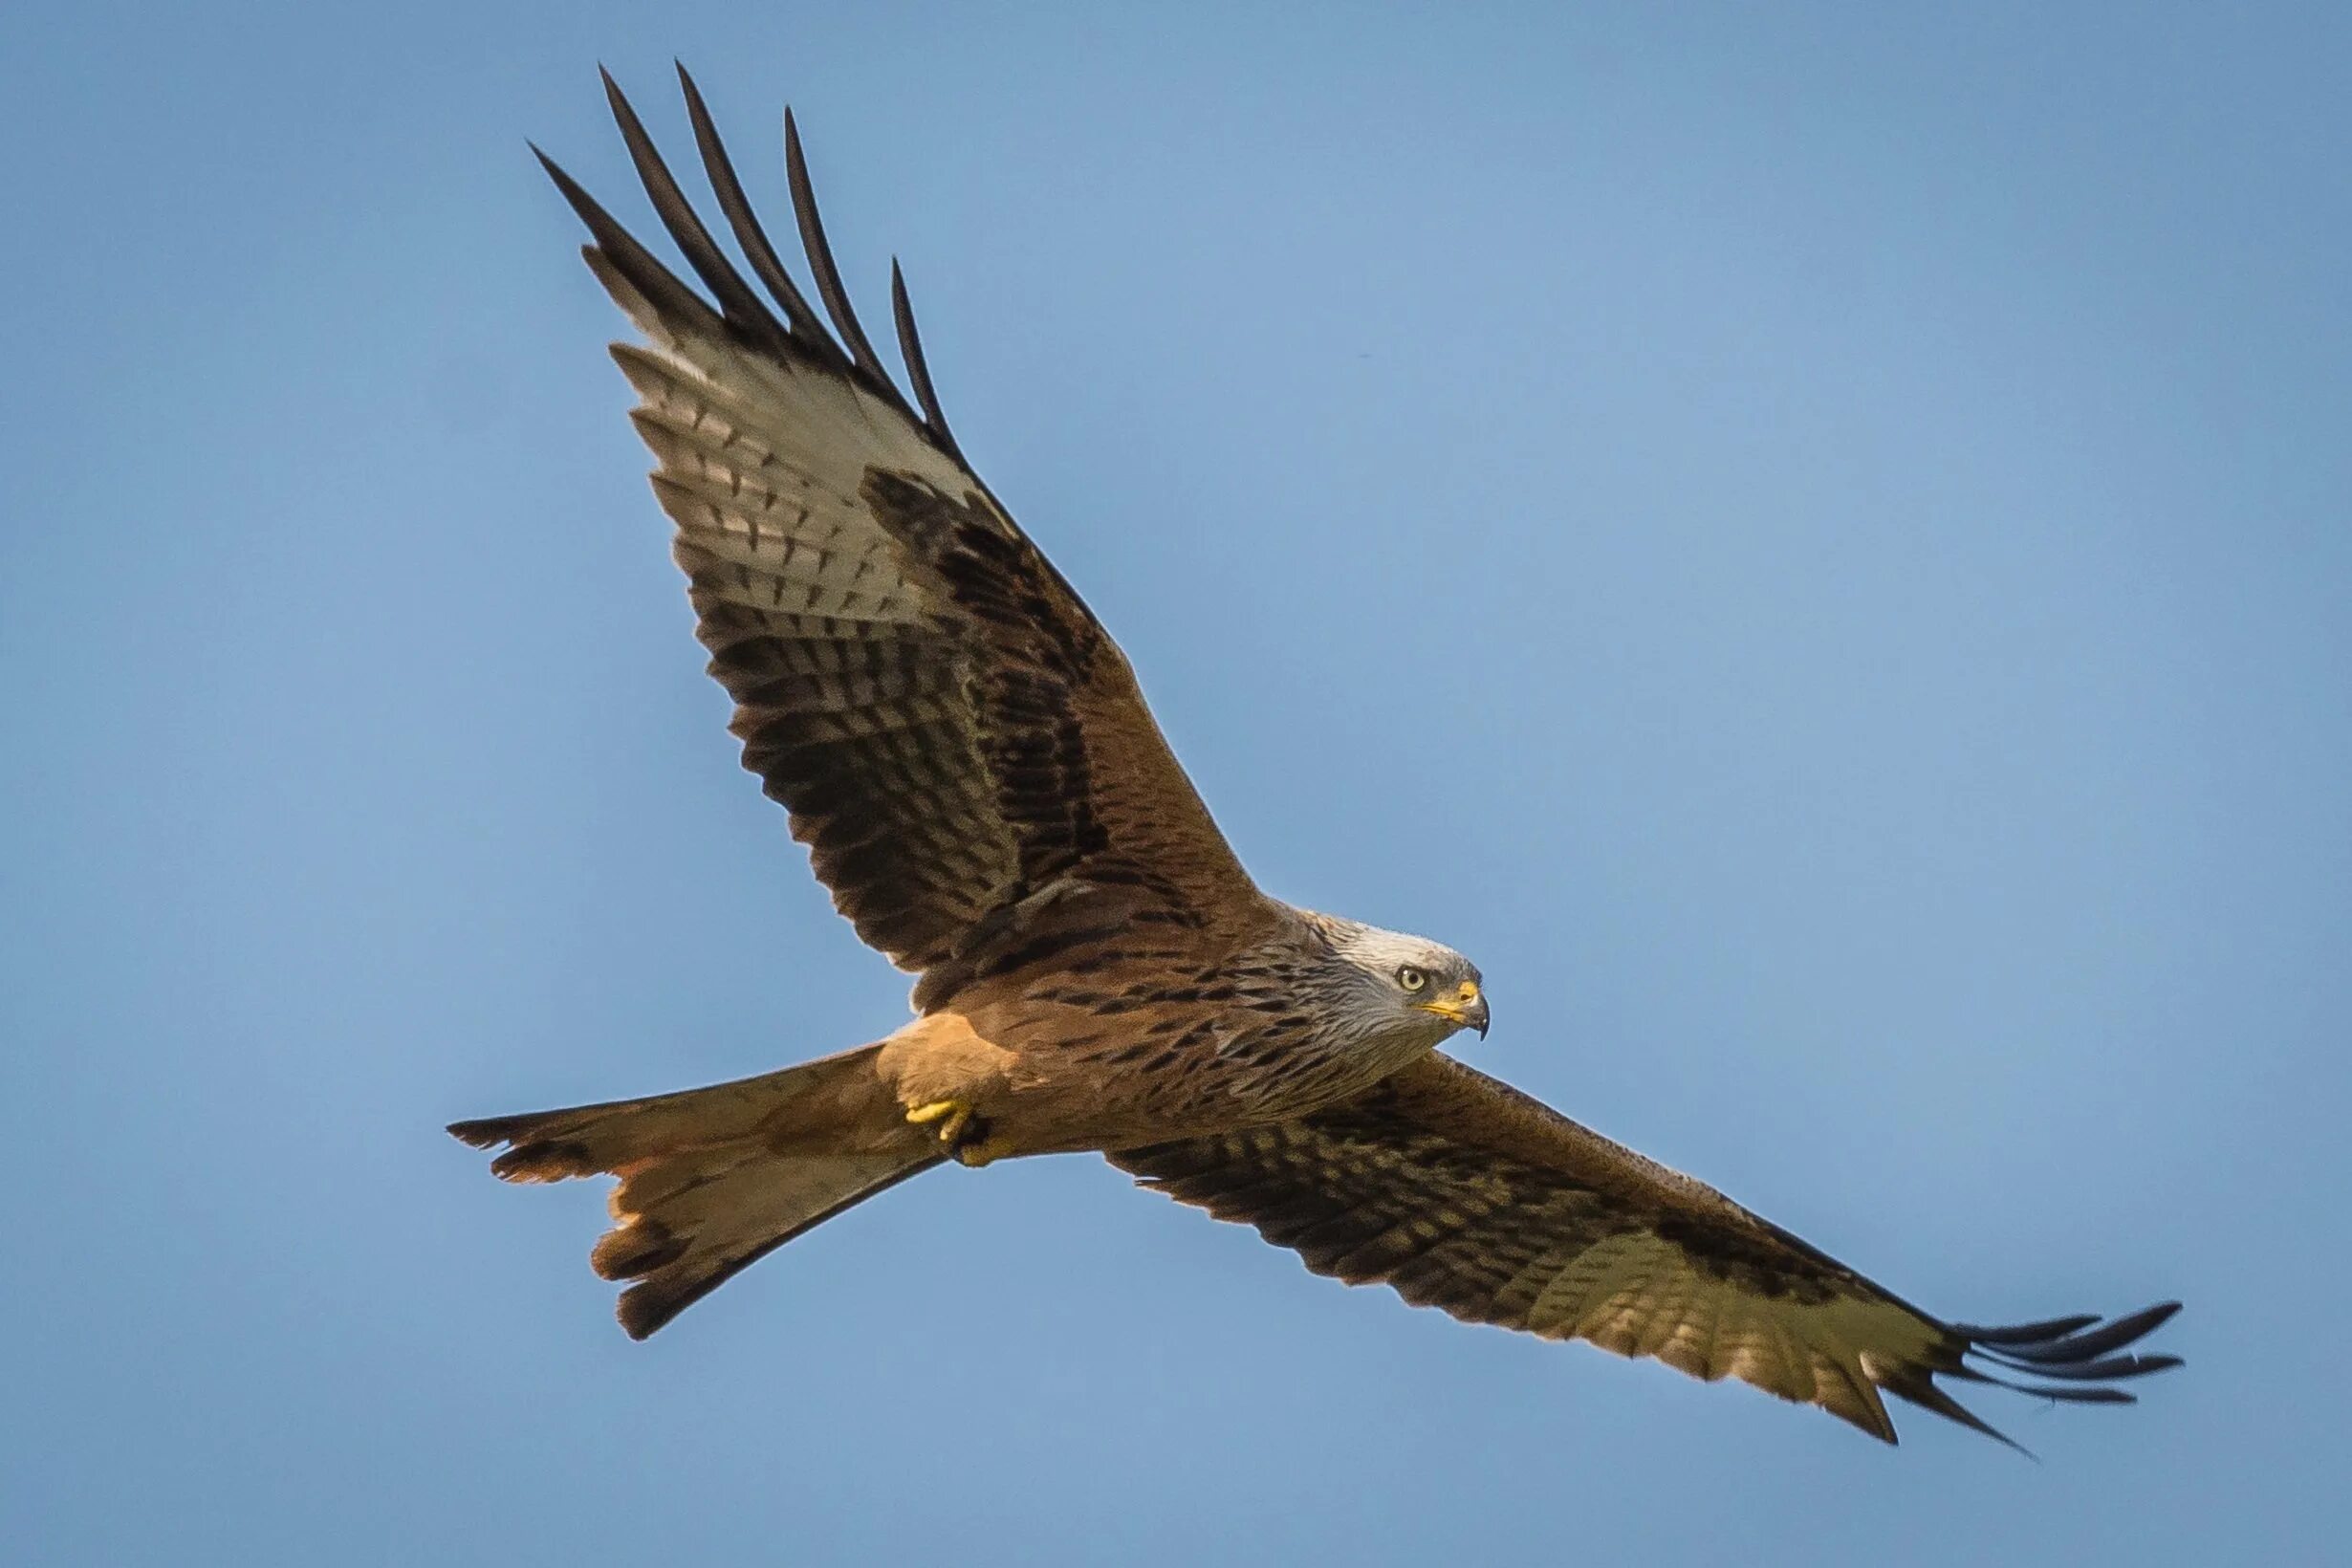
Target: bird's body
(965, 753)
(1104, 1035)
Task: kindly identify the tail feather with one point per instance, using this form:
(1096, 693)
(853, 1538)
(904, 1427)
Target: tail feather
(751, 1213)
(712, 1180)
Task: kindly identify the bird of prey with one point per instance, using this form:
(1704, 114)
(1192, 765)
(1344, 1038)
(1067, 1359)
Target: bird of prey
(965, 753)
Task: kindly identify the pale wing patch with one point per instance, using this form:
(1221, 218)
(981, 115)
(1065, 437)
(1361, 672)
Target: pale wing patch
(786, 513)
(834, 428)
(1639, 1295)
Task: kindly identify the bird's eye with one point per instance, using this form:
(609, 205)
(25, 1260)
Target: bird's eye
(1411, 978)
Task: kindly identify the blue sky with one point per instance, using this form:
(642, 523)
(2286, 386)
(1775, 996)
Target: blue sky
(1811, 543)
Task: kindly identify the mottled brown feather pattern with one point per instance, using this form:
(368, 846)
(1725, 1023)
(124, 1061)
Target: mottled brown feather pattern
(948, 726)
(967, 756)
(1461, 1193)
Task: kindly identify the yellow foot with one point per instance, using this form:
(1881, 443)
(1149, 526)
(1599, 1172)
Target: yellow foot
(964, 1134)
(953, 1116)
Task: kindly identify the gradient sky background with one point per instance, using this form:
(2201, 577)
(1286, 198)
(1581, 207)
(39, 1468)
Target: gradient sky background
(1813, 545)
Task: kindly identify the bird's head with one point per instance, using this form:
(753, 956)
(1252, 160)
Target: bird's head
(1410, 982)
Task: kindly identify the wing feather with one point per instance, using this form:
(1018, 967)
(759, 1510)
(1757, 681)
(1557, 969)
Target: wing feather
(1461, 1193)
(829, 285)
(948, 726)
(808, 333)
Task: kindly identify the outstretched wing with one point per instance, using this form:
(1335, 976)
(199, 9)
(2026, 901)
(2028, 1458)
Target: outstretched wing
(950, 729)
(1462, 1193)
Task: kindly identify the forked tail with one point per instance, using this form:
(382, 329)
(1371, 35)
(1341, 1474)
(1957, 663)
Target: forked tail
(713, 1179)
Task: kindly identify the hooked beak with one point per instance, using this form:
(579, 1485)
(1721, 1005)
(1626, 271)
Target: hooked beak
(1465, 1009)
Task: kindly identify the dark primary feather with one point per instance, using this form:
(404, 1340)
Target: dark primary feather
(819, 253)
(2058, 1344)
(738, 304)
(617, 246)
(949, 726)
(910, 349)
(2033, 1333)
(1461, 1193)
(810, 335)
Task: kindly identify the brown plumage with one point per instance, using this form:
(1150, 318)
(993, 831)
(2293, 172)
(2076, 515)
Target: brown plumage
(1461, 1193)
(965, 753)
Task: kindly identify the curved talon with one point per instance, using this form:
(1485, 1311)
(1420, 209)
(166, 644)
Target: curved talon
(952, 1115)
(964, 1134)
